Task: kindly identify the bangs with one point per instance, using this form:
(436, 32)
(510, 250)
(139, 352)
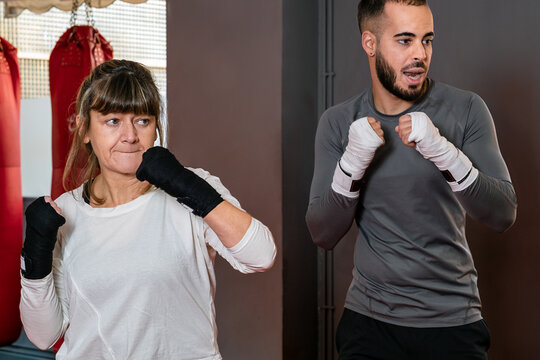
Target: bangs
(123, 93)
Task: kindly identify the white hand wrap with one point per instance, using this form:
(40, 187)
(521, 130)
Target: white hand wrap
(363, 141)
(454, 164)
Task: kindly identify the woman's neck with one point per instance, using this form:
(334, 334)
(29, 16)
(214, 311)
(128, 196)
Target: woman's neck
(116, 190)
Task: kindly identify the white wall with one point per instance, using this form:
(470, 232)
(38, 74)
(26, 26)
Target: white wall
(36, 153)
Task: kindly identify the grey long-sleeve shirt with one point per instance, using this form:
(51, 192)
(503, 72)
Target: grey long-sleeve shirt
(412, 263)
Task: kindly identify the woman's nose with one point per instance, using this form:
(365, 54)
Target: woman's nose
(129, 133)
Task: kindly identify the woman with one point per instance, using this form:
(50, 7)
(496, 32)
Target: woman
(122, 266)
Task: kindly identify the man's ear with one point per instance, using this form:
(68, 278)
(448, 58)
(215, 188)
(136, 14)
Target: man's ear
(369, 42)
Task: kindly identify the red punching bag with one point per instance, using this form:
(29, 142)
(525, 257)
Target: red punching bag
(11, 203)
(77, 52)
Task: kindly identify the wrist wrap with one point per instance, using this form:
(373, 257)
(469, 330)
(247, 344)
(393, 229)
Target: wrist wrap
(160, 168)
(42, 223)
(363, 142)
(454, 165)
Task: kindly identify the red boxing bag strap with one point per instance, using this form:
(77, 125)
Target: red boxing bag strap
(11, 205)
(77, 52)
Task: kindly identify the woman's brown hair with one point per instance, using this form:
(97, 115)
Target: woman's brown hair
(116, 86)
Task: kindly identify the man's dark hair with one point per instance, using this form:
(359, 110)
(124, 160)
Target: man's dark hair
(369, 9)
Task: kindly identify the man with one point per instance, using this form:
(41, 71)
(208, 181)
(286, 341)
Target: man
(407, 160)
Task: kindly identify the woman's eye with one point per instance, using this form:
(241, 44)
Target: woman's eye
(112, 121)
(143, 121)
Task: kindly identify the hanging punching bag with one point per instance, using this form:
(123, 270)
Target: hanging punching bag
(11, 204)
(77, 52)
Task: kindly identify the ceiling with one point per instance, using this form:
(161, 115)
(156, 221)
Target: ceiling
(14, 7)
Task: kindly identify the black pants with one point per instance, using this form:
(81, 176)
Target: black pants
(360, 337)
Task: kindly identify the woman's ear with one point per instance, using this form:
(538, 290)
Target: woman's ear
(80, 129)
(156, 131)
(369, 42)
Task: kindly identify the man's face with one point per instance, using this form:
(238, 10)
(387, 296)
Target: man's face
(404, 50)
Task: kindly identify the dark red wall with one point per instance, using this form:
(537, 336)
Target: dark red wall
(224, 112)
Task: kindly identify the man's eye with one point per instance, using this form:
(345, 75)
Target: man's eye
(404, 41)
(428, 41)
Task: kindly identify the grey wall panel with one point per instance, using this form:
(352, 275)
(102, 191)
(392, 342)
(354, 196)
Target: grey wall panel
(350, 63)
(299, 120)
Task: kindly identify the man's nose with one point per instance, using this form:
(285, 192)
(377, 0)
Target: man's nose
(420, 52)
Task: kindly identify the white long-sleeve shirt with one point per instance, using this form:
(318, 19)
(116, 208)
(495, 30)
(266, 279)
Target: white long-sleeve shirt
(136, 281)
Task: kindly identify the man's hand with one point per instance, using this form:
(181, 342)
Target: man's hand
(417, 130)
(404, 129)
(365, 136)
(376, 126)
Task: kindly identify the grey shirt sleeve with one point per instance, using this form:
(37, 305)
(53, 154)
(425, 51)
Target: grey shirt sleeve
(329, 215)
(491, 199)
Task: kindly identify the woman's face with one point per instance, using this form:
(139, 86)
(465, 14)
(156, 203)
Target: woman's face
(119, 140)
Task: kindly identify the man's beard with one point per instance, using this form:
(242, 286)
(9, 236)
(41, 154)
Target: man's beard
(387, 77)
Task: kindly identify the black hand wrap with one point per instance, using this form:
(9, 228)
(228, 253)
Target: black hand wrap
(42, 223)
(160, 168)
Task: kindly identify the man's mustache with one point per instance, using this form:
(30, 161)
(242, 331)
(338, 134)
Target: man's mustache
(416, 64)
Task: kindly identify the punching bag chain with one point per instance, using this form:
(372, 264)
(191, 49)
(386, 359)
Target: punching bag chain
(73, 18)
(89, 12)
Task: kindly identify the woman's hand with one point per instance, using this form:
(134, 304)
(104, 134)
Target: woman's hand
(160, 168)
(50, 201)
(43, 219)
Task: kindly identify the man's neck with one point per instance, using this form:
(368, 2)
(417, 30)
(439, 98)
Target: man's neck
(389, 104)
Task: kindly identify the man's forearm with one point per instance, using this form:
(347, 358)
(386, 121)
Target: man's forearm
(329, 217)
(490, 201)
